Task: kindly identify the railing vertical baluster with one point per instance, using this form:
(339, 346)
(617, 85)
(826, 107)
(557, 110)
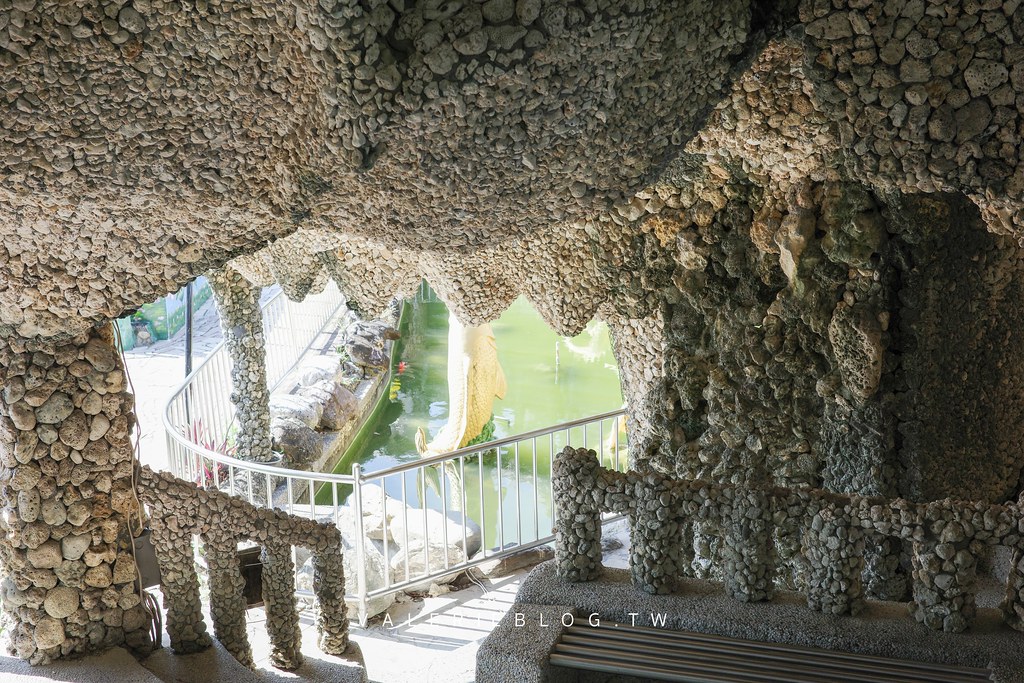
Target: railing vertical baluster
(405, 525)
(444, 513)
(360, 539)
(501, 506)
(551, 478)
(483, 512)
(334, 503)
(312, 499)
(426, 536)
(386, 532)
(465, 512)
(249, 485)
(536, 494)
(519, 502)
(617, 426)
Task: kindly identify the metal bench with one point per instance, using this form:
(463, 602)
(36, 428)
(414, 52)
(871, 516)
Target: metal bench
(666, 655)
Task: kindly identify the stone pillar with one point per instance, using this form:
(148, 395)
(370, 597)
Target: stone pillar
(238, 304)
(68, 577)
(944, 575)
(227, 601)
(179, 585)
(329, 588)
(747, 553)
(577, 515)
(280, 605)
(834, 547)
(1013, 603)
(655, 544)
(638, 346)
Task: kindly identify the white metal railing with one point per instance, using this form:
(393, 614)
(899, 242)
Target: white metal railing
(499, 491)
(422, 519)
(202, 404)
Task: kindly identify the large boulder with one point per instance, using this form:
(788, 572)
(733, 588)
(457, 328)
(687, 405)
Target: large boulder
(371, 332)
(425, 556)
(318, 369)
(374, 506)
(338, 405)
(299, 442)
(411, 525)
(302, 407)
(373, 561)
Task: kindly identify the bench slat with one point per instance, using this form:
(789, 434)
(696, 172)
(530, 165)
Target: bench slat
(688, 657)
(912, 671)
(731, 655)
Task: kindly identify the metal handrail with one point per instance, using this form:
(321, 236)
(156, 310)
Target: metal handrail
(173, 432)
(318, 495)
(497, 443)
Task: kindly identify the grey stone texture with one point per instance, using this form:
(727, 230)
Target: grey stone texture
(801, 221)
(948, 537)
(881, 629)
(68, 578)
(181, 511)
(238, 303)
(329, 123)
(517, 649)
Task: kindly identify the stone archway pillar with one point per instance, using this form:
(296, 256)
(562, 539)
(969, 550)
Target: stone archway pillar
(238, 303)
(66, 567)
(638, 345)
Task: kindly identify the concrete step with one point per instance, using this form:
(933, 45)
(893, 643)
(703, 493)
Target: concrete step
(113, 665)
(213, 664)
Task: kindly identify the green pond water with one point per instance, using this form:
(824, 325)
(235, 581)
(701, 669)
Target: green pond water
(551, 380)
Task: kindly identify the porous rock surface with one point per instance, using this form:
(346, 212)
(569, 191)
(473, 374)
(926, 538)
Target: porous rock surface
(422, 124)
(947, 536)
(801, 220)
(66, 454)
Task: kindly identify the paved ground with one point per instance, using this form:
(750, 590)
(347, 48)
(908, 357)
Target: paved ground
(157, 370)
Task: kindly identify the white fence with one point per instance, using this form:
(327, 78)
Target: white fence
(202, 404)
(409, 524)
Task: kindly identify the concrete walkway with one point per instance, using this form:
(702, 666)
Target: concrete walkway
(157, 370)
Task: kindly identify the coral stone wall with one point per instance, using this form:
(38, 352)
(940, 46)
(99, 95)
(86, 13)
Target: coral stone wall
(800, 219)
(68, 576)
(148, 142)
(961, 420)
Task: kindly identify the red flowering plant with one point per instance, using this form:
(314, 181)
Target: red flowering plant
(196, 433)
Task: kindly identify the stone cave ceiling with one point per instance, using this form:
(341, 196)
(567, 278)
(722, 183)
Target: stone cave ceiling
(543, 147)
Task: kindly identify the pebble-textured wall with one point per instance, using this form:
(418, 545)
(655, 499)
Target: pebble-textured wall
(68, 577)
(770, 206)
(960, 416)
(925, 95)
(193, 132)
(181, 511)
(948, 536)
(238, 305)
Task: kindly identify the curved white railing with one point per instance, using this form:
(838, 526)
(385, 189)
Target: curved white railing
(430, 517)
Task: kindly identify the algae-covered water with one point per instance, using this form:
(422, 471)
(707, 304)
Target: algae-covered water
(551, 380)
